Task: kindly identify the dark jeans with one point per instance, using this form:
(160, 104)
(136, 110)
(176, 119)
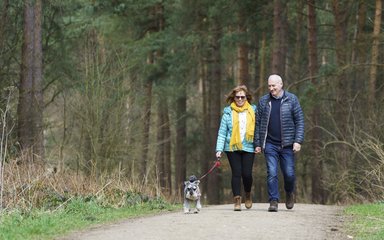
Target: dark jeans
(241, 165)
(275, 155)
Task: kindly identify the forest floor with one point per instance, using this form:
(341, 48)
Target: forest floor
(304, 221)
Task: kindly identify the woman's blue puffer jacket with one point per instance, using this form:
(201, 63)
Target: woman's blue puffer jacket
(225, 132)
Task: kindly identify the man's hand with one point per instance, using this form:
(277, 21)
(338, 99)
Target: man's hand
(296, 147)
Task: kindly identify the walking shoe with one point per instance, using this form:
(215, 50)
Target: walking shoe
(237, 201)
(290, 200)
(273, 206)
(248, 200)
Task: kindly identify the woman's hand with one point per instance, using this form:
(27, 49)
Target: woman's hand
(218, 154)
(258, 150)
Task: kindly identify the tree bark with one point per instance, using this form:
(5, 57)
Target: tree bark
(263, 60)
(318, 193)
(242, 51)
(214, 99)
(30, 106)
(38, 101)
(167, 153)
(181, 135)
(342, 95)
(279, 37)
(160, 161)
(375, 55)
(147, 121)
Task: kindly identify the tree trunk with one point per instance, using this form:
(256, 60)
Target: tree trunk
(263, 60)
(38, 101)
(30, 106)
(318, 193)
(163, 156)
(298, 52)
(342, 88)
(147, 121)
(167, 153)
(242, 51)
(375, 56)
(4, 22)
(160, 161)
(181, 135)
(255, 48)
(214, 99)
(279, 37)
(359, 51)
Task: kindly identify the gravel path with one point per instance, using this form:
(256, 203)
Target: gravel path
(304, 221)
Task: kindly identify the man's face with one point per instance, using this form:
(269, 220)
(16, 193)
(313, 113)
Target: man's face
(275, 86)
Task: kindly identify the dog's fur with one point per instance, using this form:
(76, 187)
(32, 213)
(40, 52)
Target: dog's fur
(192, 195)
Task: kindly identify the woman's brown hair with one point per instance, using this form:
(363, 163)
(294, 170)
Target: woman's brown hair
(231, 95)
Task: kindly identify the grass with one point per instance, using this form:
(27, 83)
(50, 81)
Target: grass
(367, 221)
(76, 215)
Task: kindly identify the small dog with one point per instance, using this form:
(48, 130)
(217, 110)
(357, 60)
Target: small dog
(192, 195)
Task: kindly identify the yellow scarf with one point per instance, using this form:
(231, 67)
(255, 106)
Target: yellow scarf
(235, 143)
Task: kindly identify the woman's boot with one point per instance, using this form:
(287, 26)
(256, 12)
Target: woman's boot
(237, 201)
(248, 200)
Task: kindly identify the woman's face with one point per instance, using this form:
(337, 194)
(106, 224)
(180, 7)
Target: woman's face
(240, 98)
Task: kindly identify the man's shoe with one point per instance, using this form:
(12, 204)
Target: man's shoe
(290, 200)
(273, 206)
(248, 200)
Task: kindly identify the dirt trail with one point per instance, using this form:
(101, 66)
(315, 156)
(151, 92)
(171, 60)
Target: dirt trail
(305, 221)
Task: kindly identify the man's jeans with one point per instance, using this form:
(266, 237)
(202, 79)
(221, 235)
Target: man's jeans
(275, 154)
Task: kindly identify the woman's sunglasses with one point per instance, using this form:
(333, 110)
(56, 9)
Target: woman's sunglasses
(240, 97)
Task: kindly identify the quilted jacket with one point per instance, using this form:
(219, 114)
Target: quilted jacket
(292, 120)
(225, 133)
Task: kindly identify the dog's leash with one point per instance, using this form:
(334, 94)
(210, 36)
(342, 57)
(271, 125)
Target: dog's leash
(217, 164)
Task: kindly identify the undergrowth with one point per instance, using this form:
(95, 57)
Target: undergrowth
(77, 214)
(42, 204)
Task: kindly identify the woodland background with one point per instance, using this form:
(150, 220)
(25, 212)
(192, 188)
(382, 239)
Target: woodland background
(135, 89)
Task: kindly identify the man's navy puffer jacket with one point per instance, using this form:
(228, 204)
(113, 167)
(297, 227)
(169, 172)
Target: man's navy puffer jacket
(292, 120)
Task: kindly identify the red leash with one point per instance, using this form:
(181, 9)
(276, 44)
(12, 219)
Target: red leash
(217, 164)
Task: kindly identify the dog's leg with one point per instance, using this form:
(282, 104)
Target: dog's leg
(186, 206)
(198, 205)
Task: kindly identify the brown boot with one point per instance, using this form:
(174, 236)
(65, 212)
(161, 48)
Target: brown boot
(248, 200)
(237, 201)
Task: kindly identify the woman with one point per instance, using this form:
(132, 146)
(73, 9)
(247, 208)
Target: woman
(235, 138)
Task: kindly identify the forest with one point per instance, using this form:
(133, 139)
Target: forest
(134, 90)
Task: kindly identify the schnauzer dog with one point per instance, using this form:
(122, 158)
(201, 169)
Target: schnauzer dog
(192, 195)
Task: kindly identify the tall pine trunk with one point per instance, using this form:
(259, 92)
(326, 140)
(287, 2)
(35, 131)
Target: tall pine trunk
(181, 144)
(30, 106)
(214, 99)
(242, 51)
(374, 56)
(318, 193)
(279, 50)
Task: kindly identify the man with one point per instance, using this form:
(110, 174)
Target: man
(279, 134)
